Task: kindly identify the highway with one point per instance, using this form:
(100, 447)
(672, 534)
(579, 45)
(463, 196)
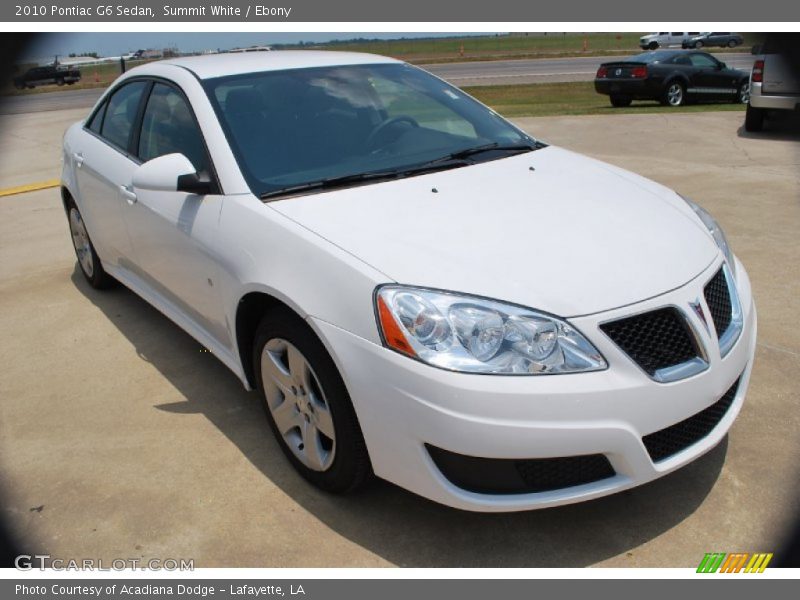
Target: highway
(497, 72)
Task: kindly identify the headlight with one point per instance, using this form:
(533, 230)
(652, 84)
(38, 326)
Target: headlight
(716, 232)
(475, 335)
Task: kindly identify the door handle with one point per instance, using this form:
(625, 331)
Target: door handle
(78, 158)
(128, 193)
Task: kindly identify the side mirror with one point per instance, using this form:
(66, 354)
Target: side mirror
(756, 49)
(722, 65)
(170, 173)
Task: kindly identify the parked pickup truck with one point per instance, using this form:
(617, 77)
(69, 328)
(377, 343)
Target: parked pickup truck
(47, 76)
(774, 80)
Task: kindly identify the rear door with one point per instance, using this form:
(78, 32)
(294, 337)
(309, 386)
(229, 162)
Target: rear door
(104, 166)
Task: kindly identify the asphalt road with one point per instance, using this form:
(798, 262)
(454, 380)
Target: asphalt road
(497, 72)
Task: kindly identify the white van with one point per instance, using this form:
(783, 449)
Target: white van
(664, 39)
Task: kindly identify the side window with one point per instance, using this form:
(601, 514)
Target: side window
(121, 113)
(97, 119)
(168, 127)
(677, 34)
(703, 61)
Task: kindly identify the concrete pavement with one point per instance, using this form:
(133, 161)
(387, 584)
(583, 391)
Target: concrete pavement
(121, 437)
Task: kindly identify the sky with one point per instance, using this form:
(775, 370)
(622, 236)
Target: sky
(115, 44)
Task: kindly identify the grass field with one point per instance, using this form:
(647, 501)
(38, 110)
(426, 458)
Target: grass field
(428, 50)
(546, 99)
(494, 47)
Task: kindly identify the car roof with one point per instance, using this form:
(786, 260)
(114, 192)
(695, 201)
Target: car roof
(219, 65)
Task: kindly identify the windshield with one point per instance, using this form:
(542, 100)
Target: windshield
(295, 127)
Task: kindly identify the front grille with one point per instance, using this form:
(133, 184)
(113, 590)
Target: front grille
(654, 340)
(512, 476)
(545, 474)
(719, 302)
(663, 444)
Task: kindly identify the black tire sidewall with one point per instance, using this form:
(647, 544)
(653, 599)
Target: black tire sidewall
(753, 119)
(99, 279)
(620, 101)
(351, 467)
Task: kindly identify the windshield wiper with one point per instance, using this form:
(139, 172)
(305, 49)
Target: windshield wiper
(491, 147)
(450, 161)
(369, 176)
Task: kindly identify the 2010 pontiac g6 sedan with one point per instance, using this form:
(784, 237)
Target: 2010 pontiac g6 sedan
(418, 289)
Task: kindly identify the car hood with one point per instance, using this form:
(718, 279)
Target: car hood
(550, 230)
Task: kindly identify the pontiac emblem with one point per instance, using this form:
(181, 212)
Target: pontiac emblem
(698, 309)
(618, 72)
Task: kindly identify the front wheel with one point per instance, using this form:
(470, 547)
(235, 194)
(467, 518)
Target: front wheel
(620, 101)
(307, 404)
(88, 260)
(743, 95)
(731, 43)
(698, 44)
(653, 46)
(674, 95)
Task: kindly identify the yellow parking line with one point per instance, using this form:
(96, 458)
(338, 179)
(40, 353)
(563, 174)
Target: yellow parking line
(31, 187)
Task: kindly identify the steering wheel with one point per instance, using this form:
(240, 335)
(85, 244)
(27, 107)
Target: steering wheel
(381, 127)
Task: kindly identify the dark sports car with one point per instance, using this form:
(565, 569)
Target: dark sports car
(673, 77)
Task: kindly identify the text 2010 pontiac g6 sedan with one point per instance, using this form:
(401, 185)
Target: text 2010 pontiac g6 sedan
(419, 289)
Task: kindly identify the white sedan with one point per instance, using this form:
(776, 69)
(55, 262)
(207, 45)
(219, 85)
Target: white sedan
(419, 290)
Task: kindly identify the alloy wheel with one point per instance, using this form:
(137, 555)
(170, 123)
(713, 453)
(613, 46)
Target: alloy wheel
(744, 93)
(80, 239)
(298, 405)
(675, 94)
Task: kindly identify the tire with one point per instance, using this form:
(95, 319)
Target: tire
(59, 82)
(732, 44)
(620, 101)
(653, 45)
(754, 119)
(743, 93)
(674, 94)
(319, 413)
(88, 261)
(698, 44)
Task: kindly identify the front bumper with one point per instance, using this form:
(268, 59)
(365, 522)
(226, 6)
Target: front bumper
(402, 405)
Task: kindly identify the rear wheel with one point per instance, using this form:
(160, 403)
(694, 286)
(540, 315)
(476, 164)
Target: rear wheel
(674, 94)
(731, 43)
(754, 119)
(307, 404)
(88, 260)
(620, 101)
(698, 44)
(59, 82)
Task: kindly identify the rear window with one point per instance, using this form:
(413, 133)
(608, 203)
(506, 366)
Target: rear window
(652, 57)
(121, 113)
